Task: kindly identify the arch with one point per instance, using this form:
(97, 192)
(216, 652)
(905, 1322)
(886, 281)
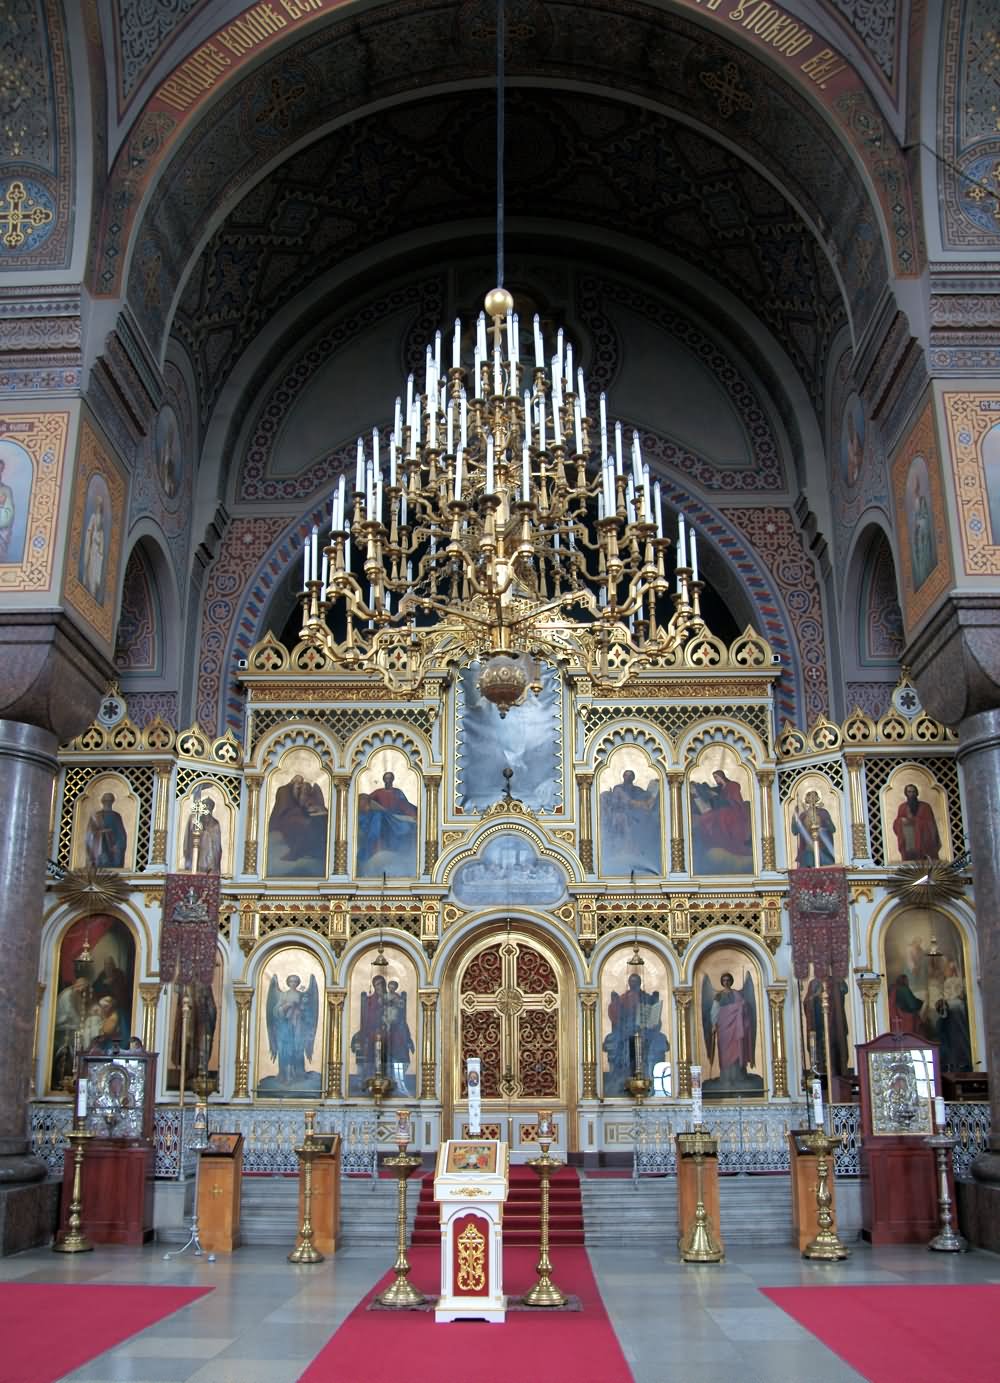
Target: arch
(730, 1012)
(635, 1029)
(779, 107)
(95, 979)
(149, 634)
(289, 1042)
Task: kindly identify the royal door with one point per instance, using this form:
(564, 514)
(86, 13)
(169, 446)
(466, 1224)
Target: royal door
(513, 1007)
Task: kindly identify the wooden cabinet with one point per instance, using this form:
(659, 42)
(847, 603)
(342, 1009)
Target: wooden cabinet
(117, 1191)
(220, 1184)
(805, 1225)
(900, 1078)
(325, 1194)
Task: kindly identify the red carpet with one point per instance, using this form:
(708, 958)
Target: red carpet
(530, 1347)
(926, 1334)
(521, 1212)
(49, 1329)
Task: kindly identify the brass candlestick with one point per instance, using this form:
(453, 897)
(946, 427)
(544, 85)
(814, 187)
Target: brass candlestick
(826, 1247)
(638, 1086)
(305, 1251)
(544, 1292)
(946, 1240)
(73, 1240)
(700, 1245)
(401, 1292)
(378, 1087)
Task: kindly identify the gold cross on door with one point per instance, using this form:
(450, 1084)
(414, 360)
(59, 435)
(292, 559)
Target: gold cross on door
(509, 1009)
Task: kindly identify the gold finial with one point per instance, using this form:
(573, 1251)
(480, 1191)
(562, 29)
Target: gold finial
(498, 303)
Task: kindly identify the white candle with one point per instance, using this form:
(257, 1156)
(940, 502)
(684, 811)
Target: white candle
(618, 449)
(525, 473)
(397, 422)
(658, 498)
(527, 418)
(496, 371)
(646, 499)
(432, 421)
(458, 474)
(682, 551)
(694, 555)
(940, 1116)
(604, 425)
(456, 345)
(325, 573)
(477, 373)
(409, 395)
(341, 488)
(314, 547)
(450, 427)
(489, 463)
(559, 348)
(359, 475)
(463, 419)
(817, 1099)
(539, 359)
(481, 335)
(375, 440)
(392, 460)
(516, 348)
(557, 410)
(437, 355)
(81, 1098)
(578, 425)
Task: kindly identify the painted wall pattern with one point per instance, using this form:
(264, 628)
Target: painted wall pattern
(921, 523)
(142, 31)
(969, 142)
(973, 423)
(32, 452)
(90, 581)
(37, 218)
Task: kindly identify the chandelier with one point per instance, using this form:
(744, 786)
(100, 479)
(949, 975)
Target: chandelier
(499, 521)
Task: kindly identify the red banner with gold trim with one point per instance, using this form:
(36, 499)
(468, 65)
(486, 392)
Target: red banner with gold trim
(820, 920)
(190, 928)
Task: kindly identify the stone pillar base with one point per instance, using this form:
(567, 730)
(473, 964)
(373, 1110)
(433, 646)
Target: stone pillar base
(29, 1213)
(978, 1205)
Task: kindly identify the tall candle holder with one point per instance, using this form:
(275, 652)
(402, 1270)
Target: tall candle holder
(826, 1247)
(305, 1251)
(199, 1142)
(401, 1293)
(700, 1246)
(73, 1239)
(946, 1240)
(544, 1293)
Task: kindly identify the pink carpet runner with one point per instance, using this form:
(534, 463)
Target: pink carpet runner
(925, 1334)
(49, 1329)
(530, 1347)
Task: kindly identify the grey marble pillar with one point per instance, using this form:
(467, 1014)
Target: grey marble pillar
(27, 773)
(979, 756)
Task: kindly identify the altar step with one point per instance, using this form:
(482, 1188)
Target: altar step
(522, 1209)
(270, 1207)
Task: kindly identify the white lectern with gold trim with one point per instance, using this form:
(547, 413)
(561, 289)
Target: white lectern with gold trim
(470, 1187)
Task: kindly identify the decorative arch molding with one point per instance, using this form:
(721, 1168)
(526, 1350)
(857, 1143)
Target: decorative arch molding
(281, 941)
(623, 939)
(154, 166)
(358, 751)
(358, 948)
(471, 847)
(870, 591)
(713, 940)
(491, 924)
(653, 742)
(736, 736)
(278, 742)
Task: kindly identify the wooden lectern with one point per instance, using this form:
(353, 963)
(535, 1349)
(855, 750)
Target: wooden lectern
(805, 1225)
(325, 1211)
(117, 1180)
(220, 1184)
(900, 1077)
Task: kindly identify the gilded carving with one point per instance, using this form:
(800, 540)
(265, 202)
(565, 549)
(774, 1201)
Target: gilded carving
(471, 1245)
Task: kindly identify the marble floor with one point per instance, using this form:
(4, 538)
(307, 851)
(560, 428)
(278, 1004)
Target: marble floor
(267, 1319)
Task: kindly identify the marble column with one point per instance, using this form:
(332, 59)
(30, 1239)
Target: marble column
(27, 774)
(979, 756)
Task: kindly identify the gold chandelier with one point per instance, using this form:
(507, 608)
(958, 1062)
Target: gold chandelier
(498, 531)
